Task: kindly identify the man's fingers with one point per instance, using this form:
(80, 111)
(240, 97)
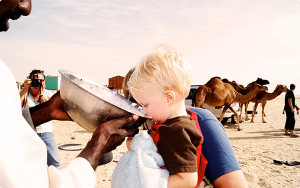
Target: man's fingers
(132, 118)
(129, 132)
(119, 123)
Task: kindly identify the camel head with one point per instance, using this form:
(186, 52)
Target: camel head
(259, 87)
(261, 81)
(281, 88)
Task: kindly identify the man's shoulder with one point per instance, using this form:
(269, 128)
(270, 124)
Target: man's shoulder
(202, 113)
(289, 93)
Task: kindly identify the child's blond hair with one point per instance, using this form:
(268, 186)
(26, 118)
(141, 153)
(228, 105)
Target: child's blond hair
(166, 69)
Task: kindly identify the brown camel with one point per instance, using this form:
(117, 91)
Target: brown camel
(242, 90)
(258, 81)
(263, 97)
(217, 93)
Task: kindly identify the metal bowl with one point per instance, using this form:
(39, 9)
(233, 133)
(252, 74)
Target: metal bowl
(90, 104)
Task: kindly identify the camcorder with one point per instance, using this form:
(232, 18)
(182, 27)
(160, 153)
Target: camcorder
(35, 82)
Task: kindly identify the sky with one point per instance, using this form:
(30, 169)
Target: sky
(240, 40)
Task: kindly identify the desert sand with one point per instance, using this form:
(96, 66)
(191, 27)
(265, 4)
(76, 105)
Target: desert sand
(256, 146)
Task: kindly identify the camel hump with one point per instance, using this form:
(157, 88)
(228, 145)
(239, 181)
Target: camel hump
(214, 80)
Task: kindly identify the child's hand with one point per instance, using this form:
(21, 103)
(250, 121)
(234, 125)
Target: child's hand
(128, 143)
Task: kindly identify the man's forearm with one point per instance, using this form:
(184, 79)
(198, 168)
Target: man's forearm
(40, 114)
(94, 151)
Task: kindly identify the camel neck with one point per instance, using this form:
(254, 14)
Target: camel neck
(273, 95)
(247, 97)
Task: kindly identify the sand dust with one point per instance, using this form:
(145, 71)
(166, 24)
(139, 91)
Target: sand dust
(256, 146)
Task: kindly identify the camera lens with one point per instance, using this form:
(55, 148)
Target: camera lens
(36, 82)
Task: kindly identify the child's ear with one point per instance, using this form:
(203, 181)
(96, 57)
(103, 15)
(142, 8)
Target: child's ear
(170, 96)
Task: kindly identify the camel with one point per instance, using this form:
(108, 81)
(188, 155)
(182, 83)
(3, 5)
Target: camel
(259, 81)
(263, 97)
(242, 90)
(217, 93)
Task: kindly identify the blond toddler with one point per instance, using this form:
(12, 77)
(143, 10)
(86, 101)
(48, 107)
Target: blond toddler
(160, 83)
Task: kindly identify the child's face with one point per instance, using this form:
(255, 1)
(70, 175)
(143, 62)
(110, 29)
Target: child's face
(154, 103)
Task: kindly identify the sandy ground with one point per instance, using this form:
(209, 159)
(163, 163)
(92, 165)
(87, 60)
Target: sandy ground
(255, 147)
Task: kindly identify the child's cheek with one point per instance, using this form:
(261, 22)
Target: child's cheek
(148, 112)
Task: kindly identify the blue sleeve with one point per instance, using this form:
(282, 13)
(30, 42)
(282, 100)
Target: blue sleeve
(216, 147)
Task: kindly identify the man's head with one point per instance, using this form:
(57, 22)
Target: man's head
(37, 77)
(292, 87)
(13, 9)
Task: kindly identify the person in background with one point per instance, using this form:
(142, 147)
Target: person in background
(34, 93)
(289, 108)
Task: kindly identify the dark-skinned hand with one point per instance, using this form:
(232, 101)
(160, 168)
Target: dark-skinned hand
(107, 137)
(50, 110)
(57, 111)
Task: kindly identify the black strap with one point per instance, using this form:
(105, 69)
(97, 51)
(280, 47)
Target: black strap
(25, 100)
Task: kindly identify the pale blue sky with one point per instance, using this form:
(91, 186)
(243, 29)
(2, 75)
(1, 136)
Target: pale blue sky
(235, 39)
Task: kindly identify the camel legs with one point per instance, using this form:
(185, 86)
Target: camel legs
(236, 115)
(253, 112)
(246, 108)
(263, 111)
(241, 107)
(223, 112)
(237, 118)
